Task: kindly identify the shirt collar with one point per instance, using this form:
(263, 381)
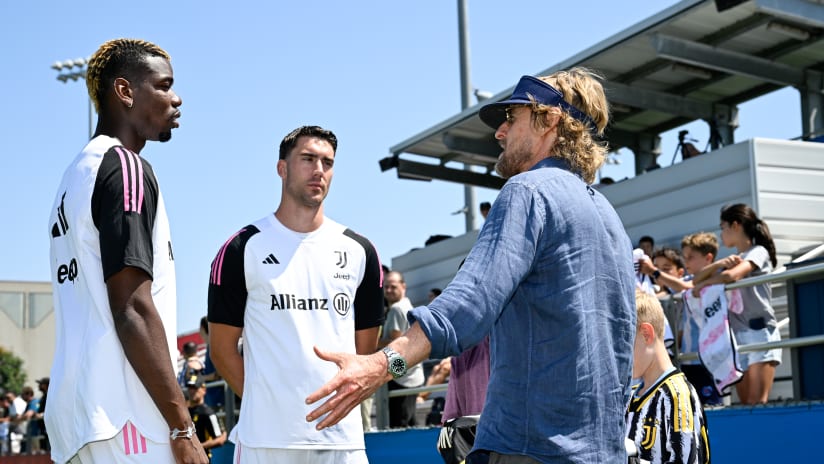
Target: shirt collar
(551, 162)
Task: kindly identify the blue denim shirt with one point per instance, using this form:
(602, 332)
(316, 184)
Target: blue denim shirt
(551, 277)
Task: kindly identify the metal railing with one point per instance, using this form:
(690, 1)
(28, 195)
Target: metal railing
(382, 395)
(779, 276)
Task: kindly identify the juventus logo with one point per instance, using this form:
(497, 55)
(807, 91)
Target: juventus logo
(649, 436)
(341, 259)
(61, 226)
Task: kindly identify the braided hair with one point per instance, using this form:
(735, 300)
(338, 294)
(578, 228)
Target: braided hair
(754, 228)
(118, 58)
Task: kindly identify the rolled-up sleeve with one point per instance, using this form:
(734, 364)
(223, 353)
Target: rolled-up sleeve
(501, 258)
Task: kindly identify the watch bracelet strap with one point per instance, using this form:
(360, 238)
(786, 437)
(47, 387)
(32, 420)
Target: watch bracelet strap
(187, 433)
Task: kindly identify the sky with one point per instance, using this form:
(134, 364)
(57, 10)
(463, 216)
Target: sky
(374, 72)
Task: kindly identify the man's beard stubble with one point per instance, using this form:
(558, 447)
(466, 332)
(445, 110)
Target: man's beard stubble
(513, 162)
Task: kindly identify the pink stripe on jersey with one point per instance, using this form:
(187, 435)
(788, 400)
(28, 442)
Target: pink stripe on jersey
(134, 438)
(133, 183)
(132, 168)
(239, 449)
(217, 264)
(142, 444)
(125, 178)
(139, 184)
(125, 433)
(379, 263)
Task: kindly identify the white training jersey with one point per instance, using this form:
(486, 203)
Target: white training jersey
(108, 214)
(290, 291)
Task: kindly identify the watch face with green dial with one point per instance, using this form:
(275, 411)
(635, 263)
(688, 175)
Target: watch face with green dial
(396, 365)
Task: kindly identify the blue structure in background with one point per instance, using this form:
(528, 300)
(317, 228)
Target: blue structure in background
(789, 433)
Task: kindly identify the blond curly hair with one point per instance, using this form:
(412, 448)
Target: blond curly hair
(577, 142)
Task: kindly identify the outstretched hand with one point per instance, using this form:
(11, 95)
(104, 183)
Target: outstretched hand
(357, 380)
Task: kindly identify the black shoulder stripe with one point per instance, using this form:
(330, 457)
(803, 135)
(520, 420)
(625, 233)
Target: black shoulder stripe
(236, 241)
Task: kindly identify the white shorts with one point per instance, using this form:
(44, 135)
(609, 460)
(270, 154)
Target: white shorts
(127, 447)
(246, 455)
(750, 336)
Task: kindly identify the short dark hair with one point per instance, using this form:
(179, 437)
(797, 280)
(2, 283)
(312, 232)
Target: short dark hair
(118, 58)
(190, 348)
(646, 238)
(486, 205)
(670, 254)
(435, 291)
(288, 143)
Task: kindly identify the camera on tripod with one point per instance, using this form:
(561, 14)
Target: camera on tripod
(688, 150)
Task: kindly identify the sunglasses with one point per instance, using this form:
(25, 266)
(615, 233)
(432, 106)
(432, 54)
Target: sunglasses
(508, 112)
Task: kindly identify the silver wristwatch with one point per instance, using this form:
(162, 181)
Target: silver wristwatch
(188, 433)
(395, 364)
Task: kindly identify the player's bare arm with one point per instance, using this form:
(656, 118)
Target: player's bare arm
(366, 340)
(141, 334)
(225, 355)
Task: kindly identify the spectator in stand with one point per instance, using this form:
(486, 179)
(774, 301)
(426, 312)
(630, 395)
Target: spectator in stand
(433, 293)
(668, 270)
(438, 375)
(207, 426)
(665, 261)
(485, 207)
(4, 425)
(699, 251)
(465, 397)
(647, 244)
(215, 396)
(401, 408)
(43, 386)
(17, 431)
(469, 376)
(743, 230)
(31, 441)
(191, 364)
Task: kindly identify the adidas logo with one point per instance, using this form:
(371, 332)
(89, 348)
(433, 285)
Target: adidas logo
(61, 226)
(271, 259)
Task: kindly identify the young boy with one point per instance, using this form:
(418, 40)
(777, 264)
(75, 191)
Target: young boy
(666, 268)
(699, 250)
(665, 419)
